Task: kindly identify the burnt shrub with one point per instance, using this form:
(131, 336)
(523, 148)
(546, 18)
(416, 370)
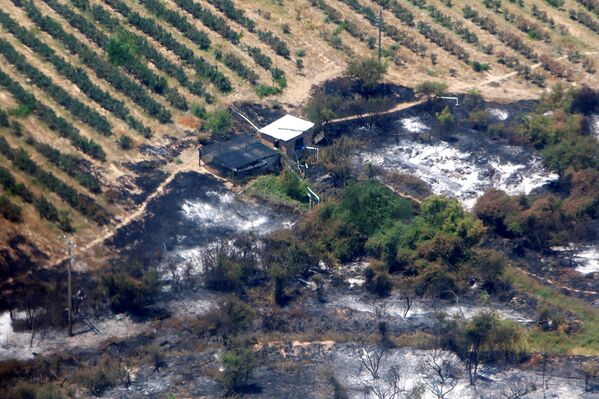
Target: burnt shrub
(27, 390)
(436, 281)
(228, 318)
(231, 267)
(106, 374)
(479, 120)
(585, 101)
(378, 281)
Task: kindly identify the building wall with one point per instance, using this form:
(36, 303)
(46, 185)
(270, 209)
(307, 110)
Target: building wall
(288, 147)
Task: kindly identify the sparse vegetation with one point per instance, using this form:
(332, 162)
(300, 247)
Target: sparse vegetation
(243, 307)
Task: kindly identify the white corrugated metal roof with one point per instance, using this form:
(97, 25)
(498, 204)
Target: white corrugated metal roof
(287, 128)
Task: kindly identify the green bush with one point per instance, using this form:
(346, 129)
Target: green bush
(266, 91)
(219, 123)
(293, 185)
(239, 363)
(479, 66)
(125, 142)
(198, 111)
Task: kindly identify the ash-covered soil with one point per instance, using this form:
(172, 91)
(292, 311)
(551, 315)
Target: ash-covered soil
(196, 211)
(461, 164)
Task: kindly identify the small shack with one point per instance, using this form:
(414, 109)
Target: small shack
(288, 133)
(240, 157)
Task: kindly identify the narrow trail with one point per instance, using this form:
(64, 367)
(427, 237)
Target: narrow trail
(402, 106)
(110, 230)
(554, 284)
(398, 107)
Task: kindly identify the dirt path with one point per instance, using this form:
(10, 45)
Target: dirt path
(554, 284)
(398, 107)
(402, 106)
(188, 163)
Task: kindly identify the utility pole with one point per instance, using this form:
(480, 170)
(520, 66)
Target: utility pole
(70, 286)
(380, 33)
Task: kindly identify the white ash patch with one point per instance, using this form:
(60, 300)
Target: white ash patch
(413, 124)
(499, 113)
(17, 343)
(214, 215)
(6, 330)
(595, 125)
(412, 371)
(353, 274)
(586, 257)
(355, 282)
(464, 175)
(421, 311)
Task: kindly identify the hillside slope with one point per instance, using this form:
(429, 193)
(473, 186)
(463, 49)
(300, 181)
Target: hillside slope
(98, 97)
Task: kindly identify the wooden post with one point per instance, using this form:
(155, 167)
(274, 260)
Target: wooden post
(70, 288)
(380, 33)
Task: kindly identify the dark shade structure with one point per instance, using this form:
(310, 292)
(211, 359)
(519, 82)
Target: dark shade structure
(239, 157)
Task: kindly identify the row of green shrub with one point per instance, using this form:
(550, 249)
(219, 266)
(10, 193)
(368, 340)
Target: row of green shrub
(236, 64)
(335, 16)
(120, 54)
(61, 96)
(41, 204)
(112, 24)
(401, 12)
(508, 38)
(401, 37)
(210, 20)
(267, 37)
(151, 28)
(228, 8)
(456, 26)
(443, 40)
(102, 68)
(71, 164)
(53, 121)
(84, 204)
(76, 75)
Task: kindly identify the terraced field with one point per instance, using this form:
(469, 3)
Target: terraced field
(97, 95)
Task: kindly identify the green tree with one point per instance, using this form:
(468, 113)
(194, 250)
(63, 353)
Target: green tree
(446, 120)
(321, 108)
(484, 338)
(368, 72)
(219, 123)
(239, 362)
(122, 47)
(337, 158)
(431, 89)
